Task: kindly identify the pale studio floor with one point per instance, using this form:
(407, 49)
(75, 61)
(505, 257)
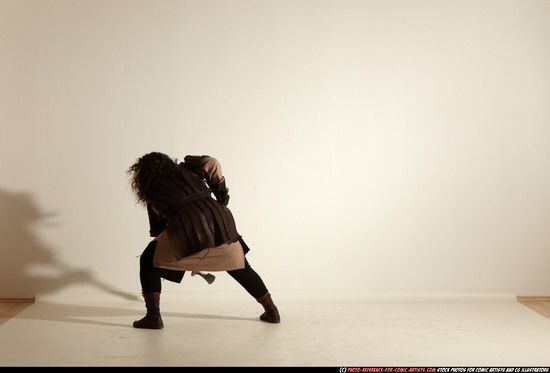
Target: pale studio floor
(221, 329)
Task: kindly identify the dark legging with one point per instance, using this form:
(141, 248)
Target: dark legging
(151, 280)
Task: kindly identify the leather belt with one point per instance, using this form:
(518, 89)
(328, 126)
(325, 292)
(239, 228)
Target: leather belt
(187, 200)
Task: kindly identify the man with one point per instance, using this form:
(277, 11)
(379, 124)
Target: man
(192, 230)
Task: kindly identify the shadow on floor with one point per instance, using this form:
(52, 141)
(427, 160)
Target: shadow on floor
(91, 315)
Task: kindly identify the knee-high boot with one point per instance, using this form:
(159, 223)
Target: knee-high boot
(271, 313)
(152, 319)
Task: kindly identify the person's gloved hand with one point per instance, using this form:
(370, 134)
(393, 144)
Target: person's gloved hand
(221, 192)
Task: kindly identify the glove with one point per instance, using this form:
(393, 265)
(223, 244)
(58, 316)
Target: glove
(220, 192)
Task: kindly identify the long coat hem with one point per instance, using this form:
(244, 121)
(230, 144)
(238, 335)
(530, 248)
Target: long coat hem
(225, 257)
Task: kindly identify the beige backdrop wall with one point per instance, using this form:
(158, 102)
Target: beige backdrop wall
(367, 144)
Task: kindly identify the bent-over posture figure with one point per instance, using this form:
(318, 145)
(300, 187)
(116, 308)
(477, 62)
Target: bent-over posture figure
(192, 230)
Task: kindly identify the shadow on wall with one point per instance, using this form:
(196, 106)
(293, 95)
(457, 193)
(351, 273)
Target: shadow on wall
(27, 265)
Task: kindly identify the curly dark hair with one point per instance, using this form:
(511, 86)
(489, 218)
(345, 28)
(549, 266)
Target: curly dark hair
(147, 170)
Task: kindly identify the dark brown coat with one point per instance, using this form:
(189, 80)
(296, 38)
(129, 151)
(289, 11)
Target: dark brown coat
(195, 232)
